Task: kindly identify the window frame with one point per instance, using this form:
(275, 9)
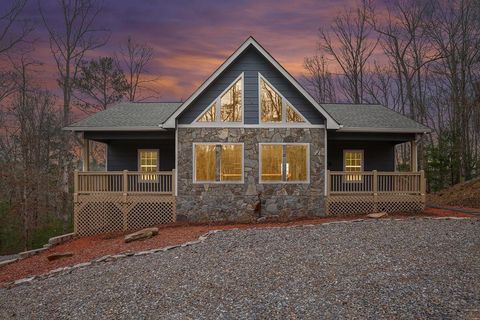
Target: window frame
(139, 165)
(194, 165)
(285, 101)
(284, 163)
(218, 109)
(353, 173)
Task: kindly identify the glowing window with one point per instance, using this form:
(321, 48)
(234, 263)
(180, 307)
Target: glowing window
(274, 108)
(353, 162)
(209, 115)
(273, 164)
(271, 103)
(293, 115)
(205, 162)
(296, 162)
(148, 162)
(231, 104)
(230, 157)
(228, 107)
(231, 162)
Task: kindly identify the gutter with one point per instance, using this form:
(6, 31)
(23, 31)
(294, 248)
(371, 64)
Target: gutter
(78, 129)
(383, 130)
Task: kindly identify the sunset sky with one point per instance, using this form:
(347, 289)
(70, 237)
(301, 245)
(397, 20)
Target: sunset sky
(192, 38)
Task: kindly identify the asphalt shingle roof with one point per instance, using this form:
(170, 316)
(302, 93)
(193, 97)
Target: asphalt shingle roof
(129, 115)
(150, 115)
(371, 117)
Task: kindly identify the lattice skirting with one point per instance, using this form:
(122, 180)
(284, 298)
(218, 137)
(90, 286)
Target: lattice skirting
(99, 213)
(358, 204)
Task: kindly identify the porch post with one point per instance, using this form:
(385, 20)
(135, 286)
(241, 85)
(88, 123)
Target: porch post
(86, 154)
(413, 156)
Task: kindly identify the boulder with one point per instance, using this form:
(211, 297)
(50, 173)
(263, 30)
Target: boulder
(141, 235)
(59, 255)
(377, 215)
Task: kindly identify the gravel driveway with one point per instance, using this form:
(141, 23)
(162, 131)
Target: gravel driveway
(374, 269)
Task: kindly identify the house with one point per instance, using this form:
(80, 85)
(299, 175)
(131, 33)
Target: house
(249, 142)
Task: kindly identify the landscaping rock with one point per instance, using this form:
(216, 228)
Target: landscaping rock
(61, 239)
(59, 255)
(30, 253)
(141, 235)
(377, 215)
(5, 262)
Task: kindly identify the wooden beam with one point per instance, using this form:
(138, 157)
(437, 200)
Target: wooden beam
(86, 154)
(413, 156)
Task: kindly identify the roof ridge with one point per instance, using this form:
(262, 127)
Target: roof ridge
(353, 104)
(150, 102)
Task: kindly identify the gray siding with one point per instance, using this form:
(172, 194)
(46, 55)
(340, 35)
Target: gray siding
(251, 62)
(107, 136)
(378, 155)
(123, 155)
(370, 136)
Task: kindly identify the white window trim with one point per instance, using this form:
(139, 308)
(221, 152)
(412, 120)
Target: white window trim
(218, 106)
(139, 168)
(283, 164)
(195, 181)
(362, 163)
(284, 122)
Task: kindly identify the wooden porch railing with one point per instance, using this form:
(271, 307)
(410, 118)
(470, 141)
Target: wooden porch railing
(349, 192)
(162, 182)
(122, 200)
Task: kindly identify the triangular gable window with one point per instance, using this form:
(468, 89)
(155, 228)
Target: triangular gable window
(228, 107)
(293, 115)
(274, 108)
(209, 115)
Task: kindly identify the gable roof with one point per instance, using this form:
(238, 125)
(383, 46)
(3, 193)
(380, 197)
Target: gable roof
(170, 122)
(128, 116)
(372, 118)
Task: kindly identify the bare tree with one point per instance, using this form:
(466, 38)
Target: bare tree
(31, 138)
(135, 58)
(100, 83)
(455, 31)
(319, 79)
(408, 49)
(69, 43)
(350, 41)
(10, 19)
(13, 31)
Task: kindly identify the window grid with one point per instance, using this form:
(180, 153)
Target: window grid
(353, 162)
(148, 162)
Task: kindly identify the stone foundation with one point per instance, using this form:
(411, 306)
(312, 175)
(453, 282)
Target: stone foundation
(250, 200)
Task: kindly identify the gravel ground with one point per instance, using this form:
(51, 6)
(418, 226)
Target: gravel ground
(375, 269)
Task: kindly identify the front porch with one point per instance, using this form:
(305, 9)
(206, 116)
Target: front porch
(120, 201)
(374, 191)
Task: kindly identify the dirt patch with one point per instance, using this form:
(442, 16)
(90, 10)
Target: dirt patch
(465, 194)
(89, 248)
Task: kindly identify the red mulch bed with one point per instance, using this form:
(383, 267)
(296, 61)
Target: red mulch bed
(89, 248)
(449, 213)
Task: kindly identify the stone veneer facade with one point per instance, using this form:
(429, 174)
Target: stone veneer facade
(250, 200)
